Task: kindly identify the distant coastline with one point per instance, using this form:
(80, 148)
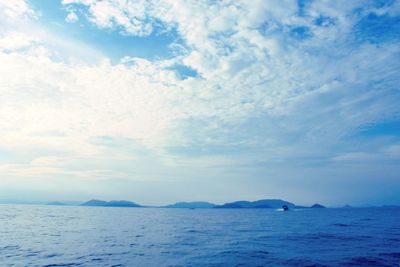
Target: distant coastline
(241, 204)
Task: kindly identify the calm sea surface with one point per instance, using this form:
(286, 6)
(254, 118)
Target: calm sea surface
(95, 236)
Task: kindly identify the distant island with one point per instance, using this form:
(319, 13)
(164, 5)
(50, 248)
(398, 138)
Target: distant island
(112, 203)
(259, 204)
(242, 204)
(317, 206)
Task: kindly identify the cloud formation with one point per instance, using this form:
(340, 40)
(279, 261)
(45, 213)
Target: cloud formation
(16, 9)
(277, 82)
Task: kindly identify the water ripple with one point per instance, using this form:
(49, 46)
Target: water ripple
(84, 236)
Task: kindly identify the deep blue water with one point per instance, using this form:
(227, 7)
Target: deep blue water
(95, 236)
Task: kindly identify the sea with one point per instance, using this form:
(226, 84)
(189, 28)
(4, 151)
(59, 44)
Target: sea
(96, 236)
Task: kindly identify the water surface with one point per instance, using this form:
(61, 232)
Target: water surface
(96, 236)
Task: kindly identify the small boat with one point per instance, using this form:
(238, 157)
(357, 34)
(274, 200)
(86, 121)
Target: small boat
(285, 208)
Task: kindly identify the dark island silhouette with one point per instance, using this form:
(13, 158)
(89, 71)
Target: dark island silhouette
(317, 206)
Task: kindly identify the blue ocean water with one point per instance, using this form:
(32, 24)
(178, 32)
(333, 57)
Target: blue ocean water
(95, 236)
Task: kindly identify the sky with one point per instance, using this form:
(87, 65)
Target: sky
(161, 101)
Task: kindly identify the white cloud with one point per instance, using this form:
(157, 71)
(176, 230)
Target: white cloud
(130, 15)
(15, 40)
(104, 100)
(15, 9)
(71, 17)
(246, 73)
(273, 94)
(29, 38)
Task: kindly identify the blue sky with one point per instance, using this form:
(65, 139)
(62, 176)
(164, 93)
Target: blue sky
(160, 101)
(111, 42)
